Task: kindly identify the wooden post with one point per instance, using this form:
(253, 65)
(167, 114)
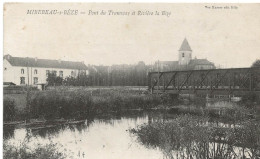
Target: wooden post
(149, 81)
(163, 84)
(250, 78)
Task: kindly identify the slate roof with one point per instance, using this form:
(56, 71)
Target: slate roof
(185, 46)
(171, 63)
(200, 62)
(44, 63)
(9, 83)
(174, 65)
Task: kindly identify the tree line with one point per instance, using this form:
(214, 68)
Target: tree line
(115, 75)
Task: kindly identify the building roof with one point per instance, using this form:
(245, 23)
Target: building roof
(185, 46)
(45, 63)
(200, 62)
(9, 83)
(174, 65)
(168, 63)
(168, 66)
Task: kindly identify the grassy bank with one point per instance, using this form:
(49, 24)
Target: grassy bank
(231, 113)
(188, 137)
(80, 103)
(67, 103)
(42, 151)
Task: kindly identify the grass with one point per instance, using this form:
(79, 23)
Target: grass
(64, 102)
(234, 114)
(9, 109)
(80, 103)
(189, 136)
(19, 99)
(41, 151)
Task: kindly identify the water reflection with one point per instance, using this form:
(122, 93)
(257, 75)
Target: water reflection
(8, 132)
(101, 137)
(108, 136)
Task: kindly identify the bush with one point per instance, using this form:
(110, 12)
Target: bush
(250, 99)
(60, 104)
(80, 103)
(194, 137)
(23, 151)
(9, 109)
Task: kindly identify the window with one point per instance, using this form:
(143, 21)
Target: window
(22, 80)
(35, 72)
(182, 54)
(61, 73)
(47, 72)
(35, 80)
(5, 68)
(22, 71)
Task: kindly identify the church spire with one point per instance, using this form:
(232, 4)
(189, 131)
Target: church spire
(185, 46)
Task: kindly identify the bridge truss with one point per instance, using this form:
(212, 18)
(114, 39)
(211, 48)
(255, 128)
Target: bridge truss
(234, 81)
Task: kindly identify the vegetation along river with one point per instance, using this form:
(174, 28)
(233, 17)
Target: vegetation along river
(133, 135)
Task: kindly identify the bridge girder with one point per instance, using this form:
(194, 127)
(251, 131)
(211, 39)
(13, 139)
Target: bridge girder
(213, 81)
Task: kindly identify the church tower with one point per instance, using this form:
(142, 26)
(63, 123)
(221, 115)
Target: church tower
(185, 53)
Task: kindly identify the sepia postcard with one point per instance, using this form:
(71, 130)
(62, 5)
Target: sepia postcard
(131, 81)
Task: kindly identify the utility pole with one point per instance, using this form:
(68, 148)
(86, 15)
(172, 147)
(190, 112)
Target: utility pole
(158, 83)
(27, 91)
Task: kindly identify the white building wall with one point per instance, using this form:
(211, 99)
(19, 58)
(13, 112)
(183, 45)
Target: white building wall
(203, 67)
(8, 72)
(13, 73)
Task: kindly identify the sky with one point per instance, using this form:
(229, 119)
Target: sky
(227, 37)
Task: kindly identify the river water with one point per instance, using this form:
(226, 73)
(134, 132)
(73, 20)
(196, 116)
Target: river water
(102, 137)
(98, 138)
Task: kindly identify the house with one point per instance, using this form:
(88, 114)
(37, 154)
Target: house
(33, 71)
(185, 61)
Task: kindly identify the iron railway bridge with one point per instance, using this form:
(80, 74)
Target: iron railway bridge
(234, 81)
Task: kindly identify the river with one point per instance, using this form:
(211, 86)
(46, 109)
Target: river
(101, 137)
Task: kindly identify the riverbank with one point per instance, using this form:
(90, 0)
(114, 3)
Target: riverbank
(77, 104)
(189, 136)
(114, 106)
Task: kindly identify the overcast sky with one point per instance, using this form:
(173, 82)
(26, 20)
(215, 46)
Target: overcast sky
(229, 37)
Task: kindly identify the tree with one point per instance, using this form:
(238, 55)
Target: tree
(256, 63)
(54, 80)
(81, 80)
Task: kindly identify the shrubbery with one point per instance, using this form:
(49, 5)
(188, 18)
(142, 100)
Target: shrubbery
(59, 104)
(188, 136)
(23, 151)
(80, 103)
(9, 109)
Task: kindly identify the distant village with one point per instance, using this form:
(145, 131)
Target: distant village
(44, 72)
